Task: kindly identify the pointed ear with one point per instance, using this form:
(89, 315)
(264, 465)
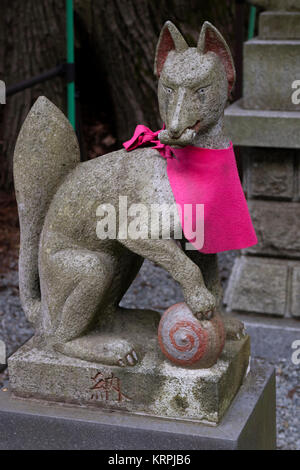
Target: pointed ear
(211, 40)
(170, 39)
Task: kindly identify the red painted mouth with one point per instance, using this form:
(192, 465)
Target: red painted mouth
(196, 127)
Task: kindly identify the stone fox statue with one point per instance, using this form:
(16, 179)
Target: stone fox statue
(71, 282)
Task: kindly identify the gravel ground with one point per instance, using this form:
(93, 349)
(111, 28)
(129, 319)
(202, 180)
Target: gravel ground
(14, 328)
(154, 288)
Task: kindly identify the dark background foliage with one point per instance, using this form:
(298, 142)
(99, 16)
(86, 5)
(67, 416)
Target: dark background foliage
(115, 46)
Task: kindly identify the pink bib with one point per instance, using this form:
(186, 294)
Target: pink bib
(208, 177)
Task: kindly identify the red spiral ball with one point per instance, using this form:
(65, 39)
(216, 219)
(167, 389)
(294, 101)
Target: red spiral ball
(189, 342)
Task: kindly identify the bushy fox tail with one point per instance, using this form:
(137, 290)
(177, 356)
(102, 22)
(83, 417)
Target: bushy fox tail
(46, 150)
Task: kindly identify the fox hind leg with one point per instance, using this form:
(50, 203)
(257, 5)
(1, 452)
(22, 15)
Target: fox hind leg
(78, 285)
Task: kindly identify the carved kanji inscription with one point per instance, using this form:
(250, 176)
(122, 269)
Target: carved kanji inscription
(107, 387)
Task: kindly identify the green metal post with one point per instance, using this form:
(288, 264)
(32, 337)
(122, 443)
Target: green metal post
(251, 26)
(70, 60)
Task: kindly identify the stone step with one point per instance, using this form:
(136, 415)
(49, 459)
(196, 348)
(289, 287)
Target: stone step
(282, 5)
(279, 25)
(270, 68)
(258, 128)
(271, 338)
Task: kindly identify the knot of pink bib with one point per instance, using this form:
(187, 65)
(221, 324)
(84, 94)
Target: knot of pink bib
(143, 136)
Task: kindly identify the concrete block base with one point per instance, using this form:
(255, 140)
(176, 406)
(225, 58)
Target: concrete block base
(155, 386)
(250, 423)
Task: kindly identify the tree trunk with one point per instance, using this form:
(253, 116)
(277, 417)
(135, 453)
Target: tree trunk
(123, 35)
(32, 41)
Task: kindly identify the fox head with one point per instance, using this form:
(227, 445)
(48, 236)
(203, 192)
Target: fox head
(194, 84)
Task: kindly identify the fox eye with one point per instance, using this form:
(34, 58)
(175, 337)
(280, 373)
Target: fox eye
(168, 90)
(201, 91)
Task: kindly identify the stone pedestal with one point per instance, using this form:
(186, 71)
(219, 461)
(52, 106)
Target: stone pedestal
(266, 278)
(154, 387)
(250, 423)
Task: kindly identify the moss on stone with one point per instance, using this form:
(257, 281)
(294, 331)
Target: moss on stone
(180, 402)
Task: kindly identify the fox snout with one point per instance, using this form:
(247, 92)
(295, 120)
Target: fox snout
(185, 138)
(175, 132)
